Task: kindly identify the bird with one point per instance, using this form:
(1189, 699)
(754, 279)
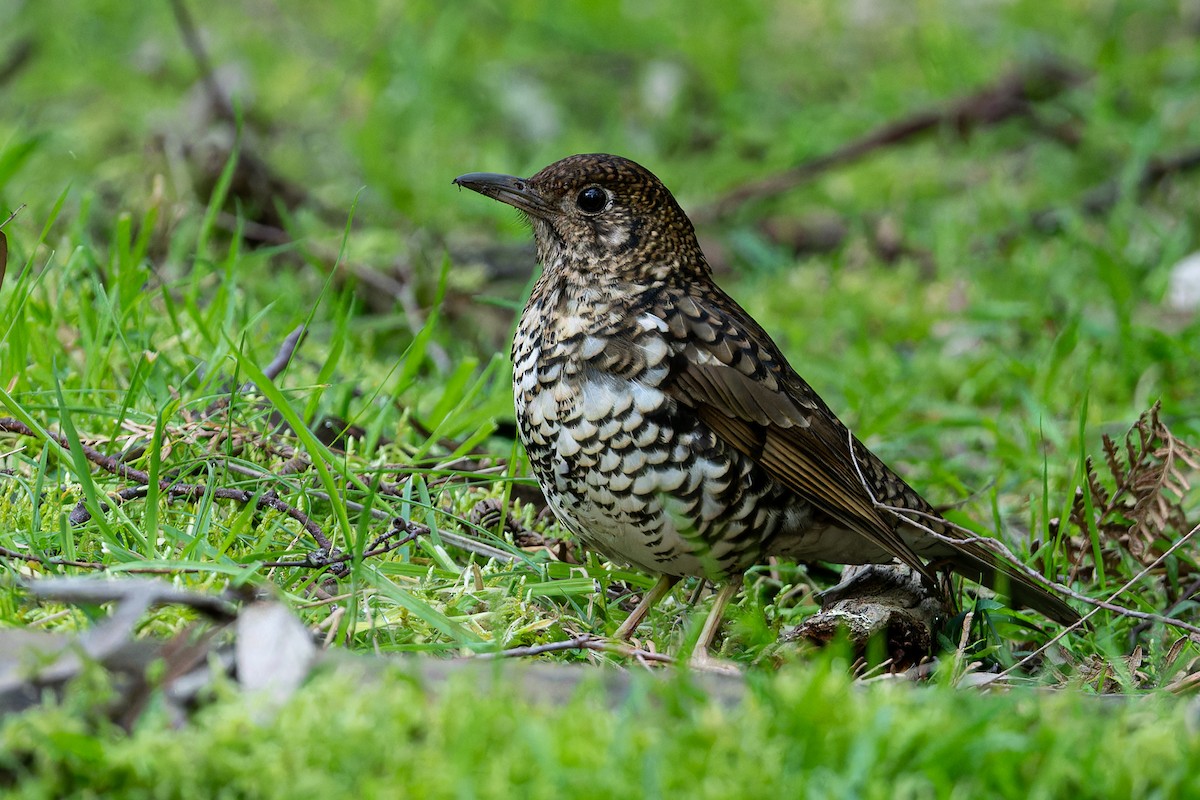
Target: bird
(667, 429)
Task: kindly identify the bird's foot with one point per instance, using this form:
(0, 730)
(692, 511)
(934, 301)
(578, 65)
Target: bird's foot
(657, 592)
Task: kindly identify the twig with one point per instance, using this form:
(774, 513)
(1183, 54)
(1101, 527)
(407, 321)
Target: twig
(99, 566)
(1157, 618)
(12, 215)
(475, 546)
(1009, 96)
(195, 491)
(49, 561)
(324, 556)
(999, 547)
(1188, 592)
(17, 555)
(254, 179)
(1102, 198)
(319, 559)
(286, 350)
(908, 516)
(315, 560)
(16, 59)
(191, 40)
(188, 491)
(458, 540)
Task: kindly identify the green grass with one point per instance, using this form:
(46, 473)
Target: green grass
(133, 319)
(807, 733)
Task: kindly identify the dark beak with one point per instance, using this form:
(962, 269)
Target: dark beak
(507, 189)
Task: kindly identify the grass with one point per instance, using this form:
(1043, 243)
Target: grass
(809, 733)
(985, 365)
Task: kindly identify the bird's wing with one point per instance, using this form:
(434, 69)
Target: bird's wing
(730, 372)
(737, 381)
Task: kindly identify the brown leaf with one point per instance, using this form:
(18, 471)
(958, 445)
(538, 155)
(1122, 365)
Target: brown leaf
(1139, 504)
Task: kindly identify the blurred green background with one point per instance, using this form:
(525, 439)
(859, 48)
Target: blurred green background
(397, 96)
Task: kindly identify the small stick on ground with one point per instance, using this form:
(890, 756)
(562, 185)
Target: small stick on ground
(188, 491)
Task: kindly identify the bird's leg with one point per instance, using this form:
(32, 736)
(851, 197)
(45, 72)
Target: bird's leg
(712, 623)
(657, 592)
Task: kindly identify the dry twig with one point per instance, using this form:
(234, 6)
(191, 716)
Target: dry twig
(913, 518)
(1012, 95)
(186, 491)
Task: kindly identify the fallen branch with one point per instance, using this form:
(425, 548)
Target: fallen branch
(1010, 96)
(254, 181)
(143, 594)
(191, 40)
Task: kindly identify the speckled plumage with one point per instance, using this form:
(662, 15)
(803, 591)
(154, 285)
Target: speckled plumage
(665, 427)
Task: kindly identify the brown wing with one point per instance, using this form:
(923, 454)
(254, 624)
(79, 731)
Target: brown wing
(734, 377)
(741, 388)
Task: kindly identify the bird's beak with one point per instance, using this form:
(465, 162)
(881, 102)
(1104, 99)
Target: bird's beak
(507, 189)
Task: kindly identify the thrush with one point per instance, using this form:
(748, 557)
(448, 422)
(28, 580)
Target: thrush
(666, 428)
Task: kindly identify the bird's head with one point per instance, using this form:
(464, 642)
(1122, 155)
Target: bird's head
(599, 214)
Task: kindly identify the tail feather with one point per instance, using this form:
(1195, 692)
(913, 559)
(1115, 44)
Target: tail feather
(992, 570)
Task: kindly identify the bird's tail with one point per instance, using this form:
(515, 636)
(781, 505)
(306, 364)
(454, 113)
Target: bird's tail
(980, 564)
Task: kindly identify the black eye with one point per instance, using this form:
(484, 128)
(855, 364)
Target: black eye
(592, 200)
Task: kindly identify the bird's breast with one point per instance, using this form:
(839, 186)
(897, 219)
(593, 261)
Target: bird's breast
(625, 465)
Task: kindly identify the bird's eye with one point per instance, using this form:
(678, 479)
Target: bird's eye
(592, 200)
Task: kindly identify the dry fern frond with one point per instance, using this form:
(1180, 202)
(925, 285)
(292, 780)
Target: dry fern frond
(1139, 504)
